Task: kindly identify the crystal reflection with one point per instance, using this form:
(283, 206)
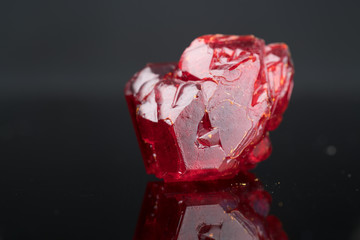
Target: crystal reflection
(216, 210)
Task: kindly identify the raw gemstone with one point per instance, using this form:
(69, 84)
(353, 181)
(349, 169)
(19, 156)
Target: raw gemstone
(222, 209)
(208, 116)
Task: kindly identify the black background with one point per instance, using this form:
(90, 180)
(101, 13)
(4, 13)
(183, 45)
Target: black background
(70, 167)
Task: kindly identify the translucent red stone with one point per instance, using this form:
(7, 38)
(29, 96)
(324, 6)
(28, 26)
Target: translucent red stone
(208, 116)
(213, 210)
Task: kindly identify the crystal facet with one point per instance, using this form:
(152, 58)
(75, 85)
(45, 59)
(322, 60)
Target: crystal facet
(208, 116)
(213, 210)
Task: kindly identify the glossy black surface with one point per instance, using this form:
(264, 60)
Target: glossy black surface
(70, 167)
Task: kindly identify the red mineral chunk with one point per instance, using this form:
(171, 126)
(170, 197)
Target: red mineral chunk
(213, 210)
(208, 116)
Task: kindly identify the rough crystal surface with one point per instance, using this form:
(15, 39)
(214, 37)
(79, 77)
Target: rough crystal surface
(208, 116)
(213, 210)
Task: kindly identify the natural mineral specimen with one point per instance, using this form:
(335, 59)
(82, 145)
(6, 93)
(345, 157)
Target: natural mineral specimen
(208, 116)
(214, 210)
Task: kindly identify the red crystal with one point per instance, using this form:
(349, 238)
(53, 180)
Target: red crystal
(222, 209)
(208, 116)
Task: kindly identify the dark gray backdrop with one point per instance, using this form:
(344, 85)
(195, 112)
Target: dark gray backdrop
(70, 166)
